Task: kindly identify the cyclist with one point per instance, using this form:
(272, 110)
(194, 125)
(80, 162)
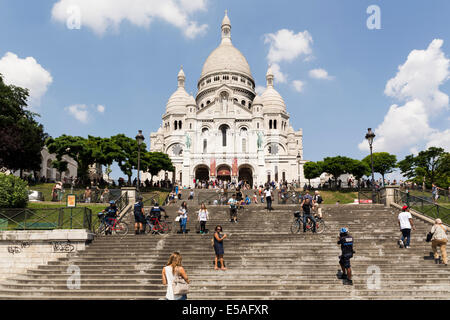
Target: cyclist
(155, 215)
(110, 215)
(346, 242)
(139, 219)
(306, 206)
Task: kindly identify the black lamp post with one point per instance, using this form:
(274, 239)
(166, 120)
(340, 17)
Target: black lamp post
(370, 136)
(140, 139)
(298, 161)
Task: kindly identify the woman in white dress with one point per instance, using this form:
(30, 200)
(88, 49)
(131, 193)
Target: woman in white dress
(173, 269)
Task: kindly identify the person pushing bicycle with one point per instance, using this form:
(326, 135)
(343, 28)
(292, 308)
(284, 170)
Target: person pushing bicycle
(307, 206)
(155, 214)
(110, 215)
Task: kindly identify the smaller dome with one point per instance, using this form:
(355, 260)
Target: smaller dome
(181, 73)
(258, 100)
(226, 21)
(178, 101)
(191, 101)
(272, 101)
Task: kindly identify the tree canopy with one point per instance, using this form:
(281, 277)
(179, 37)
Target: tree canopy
(336, 166)
(383, 163)
(312, 170)
(21, 136)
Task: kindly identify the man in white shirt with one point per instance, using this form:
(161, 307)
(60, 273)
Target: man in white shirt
(405, 223)
(268, 195)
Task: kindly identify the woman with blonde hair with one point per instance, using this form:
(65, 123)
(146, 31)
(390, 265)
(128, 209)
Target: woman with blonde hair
(439, 239)
(170, 271)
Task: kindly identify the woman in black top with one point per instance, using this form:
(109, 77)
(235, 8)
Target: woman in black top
(307, 215)
(218, 248)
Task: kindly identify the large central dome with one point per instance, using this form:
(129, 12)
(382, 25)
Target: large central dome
(226, 57)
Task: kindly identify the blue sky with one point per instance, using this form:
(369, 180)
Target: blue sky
(131, 69)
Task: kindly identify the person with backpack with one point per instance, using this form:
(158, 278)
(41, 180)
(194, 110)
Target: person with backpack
(155, 215)
(439, 239)
(233, 208)
(110, 214)
(317, 200)
(405, 223)
(346, 242)
(139, 218)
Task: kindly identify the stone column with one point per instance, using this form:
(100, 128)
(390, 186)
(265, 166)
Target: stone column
(131, 193)
(390, 190)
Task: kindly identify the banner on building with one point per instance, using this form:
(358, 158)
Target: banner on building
(213, 167)
(234, 168)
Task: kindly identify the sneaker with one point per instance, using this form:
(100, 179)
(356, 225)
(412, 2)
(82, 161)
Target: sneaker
(400, 243)
(408, 247)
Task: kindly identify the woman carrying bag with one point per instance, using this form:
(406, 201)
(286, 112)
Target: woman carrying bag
(175, 278)
(439, 239)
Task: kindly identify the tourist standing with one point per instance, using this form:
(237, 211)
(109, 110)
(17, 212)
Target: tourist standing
(218, 248)
(268, 195)
(439, 239)
(87, 195)
(139, 218)
(346, 242)
(317, 200)
(203, 216)
(233, 208)
(183, 212)
(172, 270)
(306, 206)
(405, 223)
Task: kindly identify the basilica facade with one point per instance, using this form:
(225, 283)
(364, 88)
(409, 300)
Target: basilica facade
(227, 131)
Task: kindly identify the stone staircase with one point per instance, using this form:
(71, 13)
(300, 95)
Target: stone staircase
(264, 260)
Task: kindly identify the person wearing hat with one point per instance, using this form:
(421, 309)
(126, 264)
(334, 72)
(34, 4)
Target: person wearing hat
(110, 215)
(439, 239)
(346, 242)
(405, 223)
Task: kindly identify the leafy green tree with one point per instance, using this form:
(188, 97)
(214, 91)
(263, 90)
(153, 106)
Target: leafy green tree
(312, 170)
(155, 162)
(359, 169)
(336, 166)
(431, 165)
(127, 158)
(383, 163)
(13, 192)
(21, 136)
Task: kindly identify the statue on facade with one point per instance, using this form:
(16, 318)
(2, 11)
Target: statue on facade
(260, 140)
(188, 141)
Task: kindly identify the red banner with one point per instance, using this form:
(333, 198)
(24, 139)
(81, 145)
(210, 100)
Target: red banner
(213, 167)
(235, 167)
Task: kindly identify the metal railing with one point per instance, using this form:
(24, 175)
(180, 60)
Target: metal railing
(46, 218)
(97, 195)
(424, 206)
(377, 196)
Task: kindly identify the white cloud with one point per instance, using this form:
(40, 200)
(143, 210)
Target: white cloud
(420, 77)
(417, 83)
(101, 108)
(101, 15)
(285, 45)
(278, 74)
(260, 89)
(79, 112)
(26, 73)
(298, 85)
(320, 74)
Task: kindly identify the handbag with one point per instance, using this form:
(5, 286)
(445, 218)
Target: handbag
(179, 285)
(177, 218)
(429, 236)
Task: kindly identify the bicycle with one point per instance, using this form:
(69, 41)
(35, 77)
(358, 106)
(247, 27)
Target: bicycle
(117, 227)
(160, 227)
(298, 221)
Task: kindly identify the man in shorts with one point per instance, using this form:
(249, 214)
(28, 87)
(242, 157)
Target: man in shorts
(139, 218)
(346, 242)
(233, 208)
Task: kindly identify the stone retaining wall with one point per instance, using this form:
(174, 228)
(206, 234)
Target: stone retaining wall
(22, 250)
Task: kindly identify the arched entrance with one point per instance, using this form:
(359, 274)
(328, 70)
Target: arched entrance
(202, 173)
(224, 172)
(246, 175)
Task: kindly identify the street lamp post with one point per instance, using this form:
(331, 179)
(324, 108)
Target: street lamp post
(140, 139)
(298, 161)
(370, 136)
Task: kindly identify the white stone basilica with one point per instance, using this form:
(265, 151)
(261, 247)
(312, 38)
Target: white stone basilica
(229, 132)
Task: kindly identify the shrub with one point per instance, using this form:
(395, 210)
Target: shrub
(13, 192)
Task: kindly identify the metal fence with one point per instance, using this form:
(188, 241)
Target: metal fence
(46, 218)
(424, 206)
